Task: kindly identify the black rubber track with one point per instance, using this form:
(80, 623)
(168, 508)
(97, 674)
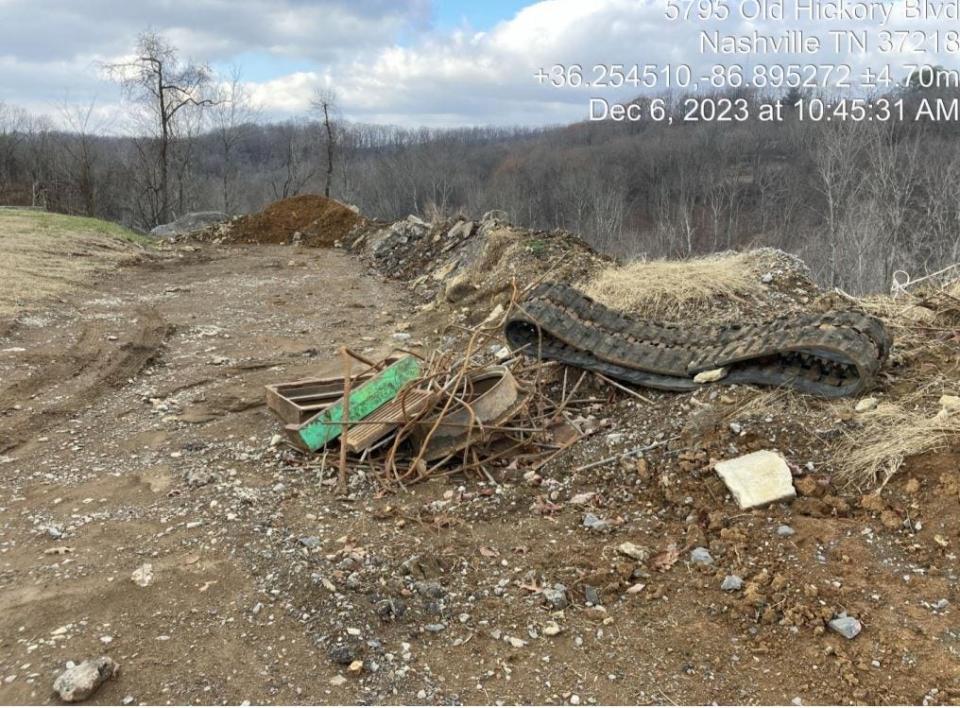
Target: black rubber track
(832, 354)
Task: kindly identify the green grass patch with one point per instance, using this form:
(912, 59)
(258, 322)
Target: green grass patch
(61, 225)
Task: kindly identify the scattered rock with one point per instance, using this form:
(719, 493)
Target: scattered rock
(188, 223)
(632, 550)
(865, 404)
(711, 376)
(556, 596)
(701, 556)
(583, 498)
(591, 595)
(551, 629)
(595, 523)
(54, 532)
(848, 627)
(757, 479)
(342, 654)
(143, 576)
(79, 682)
(784, 530)
(731, 583)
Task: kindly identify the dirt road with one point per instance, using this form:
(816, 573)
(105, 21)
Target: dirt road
(112, 402)
(133, 433)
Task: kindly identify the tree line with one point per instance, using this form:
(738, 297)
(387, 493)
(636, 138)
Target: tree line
(857, 200)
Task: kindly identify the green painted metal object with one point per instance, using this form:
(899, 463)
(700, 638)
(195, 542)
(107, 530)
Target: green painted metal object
(364, 400)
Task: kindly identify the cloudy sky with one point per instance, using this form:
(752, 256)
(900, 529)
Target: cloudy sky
(406, 62)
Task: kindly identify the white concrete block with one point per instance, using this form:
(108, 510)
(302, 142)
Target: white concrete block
(757, 479)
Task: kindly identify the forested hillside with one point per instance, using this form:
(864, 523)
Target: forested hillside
(856, 199)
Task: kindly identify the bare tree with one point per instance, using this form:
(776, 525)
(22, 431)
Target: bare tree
(325, 103)
(81, 152)
(162, 85)
(232, 117)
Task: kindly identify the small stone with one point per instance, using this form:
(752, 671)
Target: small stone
(128, 700)
(338, 680)
(731, 583)
(595, 523)
(276, 439)
(54, 532)
(583, 499)
(711, 376)
(556, 596)
(574, 700)
(701, 556)
(591, 595)
(736, 428)
(631, 550)
(342, 654)
(636, 588)
(784, 530)
(143, 576)
(865, 404)
(757, 479)
(766, 278)
(309, 541)
(435, 628)
(615, 438)
(80, 682)
(845, 626)
(515, 642)
(355, 667)
(551, 629)
(402, 337)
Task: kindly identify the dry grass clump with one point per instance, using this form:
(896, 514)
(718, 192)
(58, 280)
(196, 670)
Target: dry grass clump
(669, 288)
(46, 255)
(891, 433)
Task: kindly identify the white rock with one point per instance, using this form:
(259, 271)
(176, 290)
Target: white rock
(757, 479)
(338, 680)
(551, 629)
(79, 682)
(711, 376)
(845, 626)
(143, 575)
(276, 439)
(495, 315)
(865, 404)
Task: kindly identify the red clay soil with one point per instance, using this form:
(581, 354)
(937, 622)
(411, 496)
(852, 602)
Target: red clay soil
(319, 220)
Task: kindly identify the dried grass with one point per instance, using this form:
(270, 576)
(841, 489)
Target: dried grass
(892, 432)
(668, 288)
(48, 255)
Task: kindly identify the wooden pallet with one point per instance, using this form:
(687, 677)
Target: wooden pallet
(297, 402)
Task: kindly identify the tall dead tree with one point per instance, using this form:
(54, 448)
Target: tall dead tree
(162, 85)
(325, 103)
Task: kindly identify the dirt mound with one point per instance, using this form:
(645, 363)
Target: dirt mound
(320, 222)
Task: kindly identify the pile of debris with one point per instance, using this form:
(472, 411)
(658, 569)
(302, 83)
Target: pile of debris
(473, 267)
(405, 418)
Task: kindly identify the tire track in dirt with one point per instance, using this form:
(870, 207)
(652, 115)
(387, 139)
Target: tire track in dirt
(81, 375)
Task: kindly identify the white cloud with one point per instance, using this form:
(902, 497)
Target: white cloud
(431, 77)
